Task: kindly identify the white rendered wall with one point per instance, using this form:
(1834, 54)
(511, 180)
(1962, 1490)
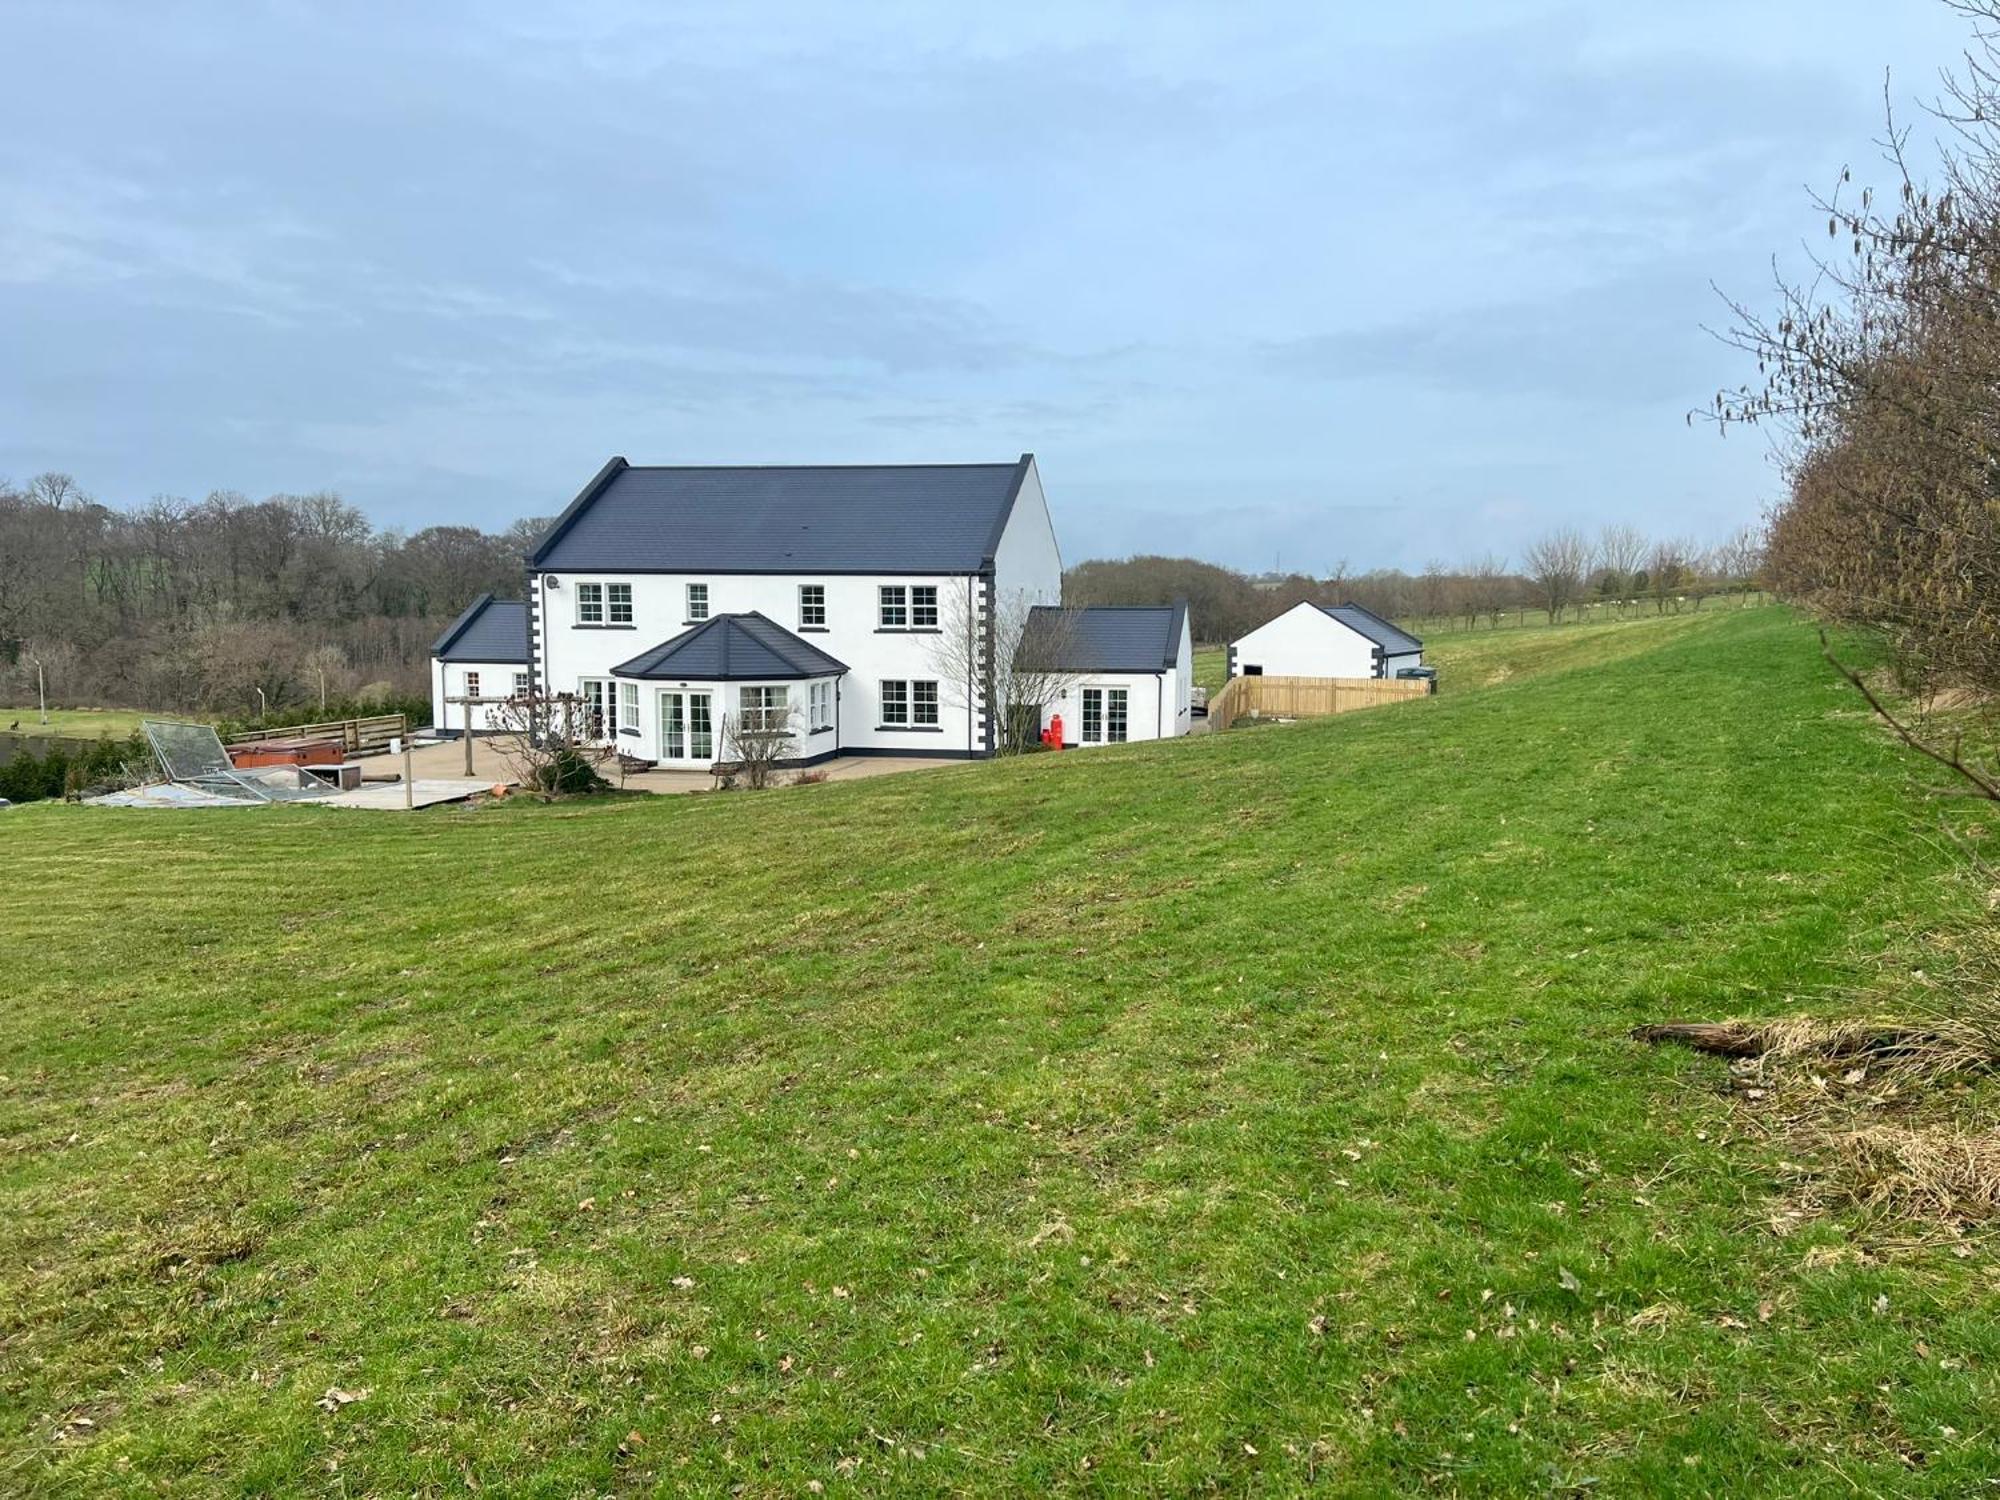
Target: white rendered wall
(1305, 641)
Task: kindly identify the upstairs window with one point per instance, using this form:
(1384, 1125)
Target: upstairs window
(590, 604)
(895, 610)
(812, 606)
(697, 603)
(619, 597)
(923, 606)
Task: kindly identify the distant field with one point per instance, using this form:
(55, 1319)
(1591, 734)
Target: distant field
(1211, 668)
(76, 722)
(1248, 1114)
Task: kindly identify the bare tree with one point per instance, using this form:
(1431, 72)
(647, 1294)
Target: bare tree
(545, 739)
(1620, 550)
(760, 738)
(1556, 564)
(1667, 573)
(1031, 664)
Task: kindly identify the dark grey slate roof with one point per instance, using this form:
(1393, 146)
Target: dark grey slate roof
(874, 518)
(732, 648)
(1104, 637)
(489, 630)
(1393, 640)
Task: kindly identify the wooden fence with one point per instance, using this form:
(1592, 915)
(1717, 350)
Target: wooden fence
(1306, 697)
(360, 736)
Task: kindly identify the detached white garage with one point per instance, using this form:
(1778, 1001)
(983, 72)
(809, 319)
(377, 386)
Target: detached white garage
(1325, 640)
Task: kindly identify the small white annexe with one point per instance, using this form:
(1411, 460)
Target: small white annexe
(483, 655)
(1325, 640)
(1121, 672)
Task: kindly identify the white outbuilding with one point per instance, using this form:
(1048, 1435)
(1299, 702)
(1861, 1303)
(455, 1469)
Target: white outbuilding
(1119, 672)
(483, 655)
(1325, 640)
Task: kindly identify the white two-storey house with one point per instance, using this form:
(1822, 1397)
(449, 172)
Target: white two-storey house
(677, 602)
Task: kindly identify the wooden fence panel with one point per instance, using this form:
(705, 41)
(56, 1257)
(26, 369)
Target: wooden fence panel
(359, 735)
(1306, 697)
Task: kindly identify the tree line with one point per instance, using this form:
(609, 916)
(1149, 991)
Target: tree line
(226, 605)
(1564, 574)
(1878, 385)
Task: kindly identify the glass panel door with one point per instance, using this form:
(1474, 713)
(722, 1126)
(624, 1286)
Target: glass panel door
(687, 729)
(701, 732)
(1093, 717)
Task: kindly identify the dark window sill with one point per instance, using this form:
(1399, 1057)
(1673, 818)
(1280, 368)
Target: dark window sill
(580, 625)
(812, 630)
(908, 630)
(702, 621)
(821, 729)
(632, 732)
(909, 729)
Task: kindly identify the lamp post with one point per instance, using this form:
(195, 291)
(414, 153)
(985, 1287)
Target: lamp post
(263, 709)
(42, 691)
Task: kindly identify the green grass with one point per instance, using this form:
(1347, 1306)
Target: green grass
(78, 723)
(1247, 1112)
(1211, 668)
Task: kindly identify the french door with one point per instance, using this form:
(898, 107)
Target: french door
(1105, 716)
(687, 727)
(600, 708)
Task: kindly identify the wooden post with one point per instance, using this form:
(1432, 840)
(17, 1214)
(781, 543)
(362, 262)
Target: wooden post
(468, 738)
(409, 786)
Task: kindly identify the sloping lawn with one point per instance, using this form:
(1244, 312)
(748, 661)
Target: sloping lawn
(1249, 1112)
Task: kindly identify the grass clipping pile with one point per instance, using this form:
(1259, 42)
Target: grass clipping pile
(1900, 1118)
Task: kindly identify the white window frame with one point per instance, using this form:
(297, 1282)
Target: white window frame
(815, 607)
(696, 591)
(925, 702)
(896, 702)
(472, 684)
(1104, 703)
(923, 606)
(628, 705)
(618, 604)
(819, 707)
(892, 598)
(520, 684)
(757, 719)
(590, 604)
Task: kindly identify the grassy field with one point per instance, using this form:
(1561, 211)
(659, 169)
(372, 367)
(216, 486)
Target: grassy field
(1249, 1112)
(78, 723)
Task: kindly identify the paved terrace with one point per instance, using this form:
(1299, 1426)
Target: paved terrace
(447, 760)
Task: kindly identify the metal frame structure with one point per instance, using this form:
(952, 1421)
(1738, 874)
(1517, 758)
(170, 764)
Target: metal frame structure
(192, 755)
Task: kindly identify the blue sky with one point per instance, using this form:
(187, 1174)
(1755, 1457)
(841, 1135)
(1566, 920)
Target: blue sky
(1305, 283)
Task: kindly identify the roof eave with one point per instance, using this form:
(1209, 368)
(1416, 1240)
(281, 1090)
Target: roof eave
(989, 560)
(611, 470)
(457, 627)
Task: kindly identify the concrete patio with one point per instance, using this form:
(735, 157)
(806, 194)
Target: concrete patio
(447, 760)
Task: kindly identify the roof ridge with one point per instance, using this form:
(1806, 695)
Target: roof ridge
(756, 468)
